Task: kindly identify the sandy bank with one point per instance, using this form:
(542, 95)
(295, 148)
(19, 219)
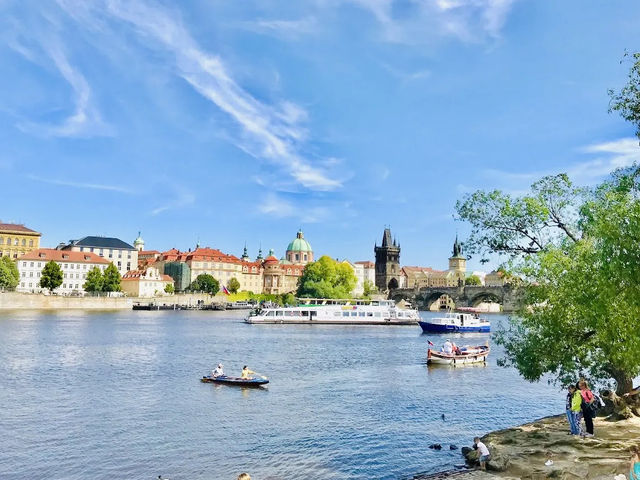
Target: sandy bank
(529, 446)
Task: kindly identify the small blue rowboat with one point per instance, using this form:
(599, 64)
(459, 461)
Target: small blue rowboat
(243, 382)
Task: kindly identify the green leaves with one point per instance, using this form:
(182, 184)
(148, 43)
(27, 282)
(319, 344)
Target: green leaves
(112, 279)
(95, 280)
(627, 101)
(205, 283)
(233, 285)
(327, 278)
(51, 277)
(9, 275)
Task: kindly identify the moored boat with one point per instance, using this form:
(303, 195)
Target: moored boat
(243, 382)
(337, 312)
(456, 322)
(467, 355)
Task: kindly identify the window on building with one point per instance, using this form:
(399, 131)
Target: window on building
(39, 264)
(31, 274)
(24, 242)
(1, 240)
(128, 266)
(24, 264)
(24, 274)
(15, 242)
(31, 243)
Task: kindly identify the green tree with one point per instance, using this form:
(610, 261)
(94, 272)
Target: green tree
(473, 280)
(580, 278)
(627, 101)
(51, 276)
(95, 280)
(288, 299)
(168, 288)
(326, 278)
(234, 285)
(369, 288)
(205, 283)
(111, 279)
(9, 275)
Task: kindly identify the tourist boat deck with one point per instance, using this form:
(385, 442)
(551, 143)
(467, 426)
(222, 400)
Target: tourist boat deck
(456, 322)
(337, 312)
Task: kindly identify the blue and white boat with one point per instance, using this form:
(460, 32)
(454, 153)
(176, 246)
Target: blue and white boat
(456, 322)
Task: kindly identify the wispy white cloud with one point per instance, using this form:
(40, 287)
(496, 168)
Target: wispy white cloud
(284, 28)
(85, 120)
(86, 185)
(184, 199)
(268, 132)
(278, 207)
(428, 20)
(612, 155)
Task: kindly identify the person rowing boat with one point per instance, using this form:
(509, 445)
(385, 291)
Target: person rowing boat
(246, 372)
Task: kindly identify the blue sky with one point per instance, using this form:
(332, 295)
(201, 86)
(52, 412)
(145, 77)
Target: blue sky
(230, 122)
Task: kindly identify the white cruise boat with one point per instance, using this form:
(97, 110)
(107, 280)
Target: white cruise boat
(337, 312)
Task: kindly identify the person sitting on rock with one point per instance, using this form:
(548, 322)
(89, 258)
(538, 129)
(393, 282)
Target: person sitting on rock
(483, 453)
(634, 468)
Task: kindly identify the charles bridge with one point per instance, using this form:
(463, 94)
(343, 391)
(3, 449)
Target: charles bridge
(463, 296)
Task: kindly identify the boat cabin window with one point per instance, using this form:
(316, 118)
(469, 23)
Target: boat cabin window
(336, 314)
(305, 313)
(345, 314)
(271, 313)
(369, 314)
(378, 314)
(279, 313)
(361, 314)
(289, 313)
(354, 314)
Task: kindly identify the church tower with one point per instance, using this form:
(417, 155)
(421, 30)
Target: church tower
(387, 262)
(458, 262)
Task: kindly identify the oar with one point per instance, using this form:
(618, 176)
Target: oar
(260, 375)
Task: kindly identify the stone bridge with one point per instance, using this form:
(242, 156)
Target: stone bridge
(464, 296)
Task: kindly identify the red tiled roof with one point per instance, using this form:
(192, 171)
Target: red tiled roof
(366, 263)
(271, 259)
(46, 254)
(166, 278)
(212, 254)
(148, 252)
(14, 227)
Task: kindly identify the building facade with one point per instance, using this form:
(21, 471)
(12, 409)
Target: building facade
(16, 240)
(387, 263)
(121, 254)
(74, 266)
(145, 283)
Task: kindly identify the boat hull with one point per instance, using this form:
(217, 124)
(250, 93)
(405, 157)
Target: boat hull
(438, 328)
(331, 322)
(478, 355)
(242, 382)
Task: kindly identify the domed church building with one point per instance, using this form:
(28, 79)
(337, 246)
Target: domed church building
(299, 251)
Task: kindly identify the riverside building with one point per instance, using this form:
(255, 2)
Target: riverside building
(16, 240)
(74, 266)
(123, 255)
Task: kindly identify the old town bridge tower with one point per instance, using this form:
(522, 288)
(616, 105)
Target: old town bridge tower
(387, 262)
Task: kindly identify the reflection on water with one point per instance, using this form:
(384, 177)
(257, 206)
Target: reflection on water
(119, 396)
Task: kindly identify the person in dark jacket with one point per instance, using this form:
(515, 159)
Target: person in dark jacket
(588, 400)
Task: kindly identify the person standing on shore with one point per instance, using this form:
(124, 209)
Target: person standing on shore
(572, 425)
(587, 405)
(576, 410)
(483, 453)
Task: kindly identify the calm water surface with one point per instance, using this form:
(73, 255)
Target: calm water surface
(118, 396)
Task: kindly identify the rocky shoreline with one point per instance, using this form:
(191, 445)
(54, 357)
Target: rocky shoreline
(521, 452)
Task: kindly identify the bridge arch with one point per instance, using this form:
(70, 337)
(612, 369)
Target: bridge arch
(486, 297)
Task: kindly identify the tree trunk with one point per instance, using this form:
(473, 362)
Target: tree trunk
(624, 382)
(618, 407)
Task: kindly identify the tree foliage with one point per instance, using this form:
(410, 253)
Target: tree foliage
(205, 283)
(507, 224)
(473, 280)
(169, 288)
(326, 278)
(627, 101)
(51, 276)
(112, 279)
(369, 288)
(95, 280)
(9, 275)
(234, 285)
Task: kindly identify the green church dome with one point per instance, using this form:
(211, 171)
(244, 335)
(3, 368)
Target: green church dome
(299, 244)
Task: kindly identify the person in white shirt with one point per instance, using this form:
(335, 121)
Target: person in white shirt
(447, 347)
(483, 453)
(217, 372)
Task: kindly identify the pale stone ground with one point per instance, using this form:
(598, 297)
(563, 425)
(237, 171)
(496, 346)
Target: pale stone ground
(529, 446)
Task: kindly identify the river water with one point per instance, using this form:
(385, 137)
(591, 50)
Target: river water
(118, 396)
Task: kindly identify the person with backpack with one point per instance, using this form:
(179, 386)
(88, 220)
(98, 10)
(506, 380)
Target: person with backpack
(588, 406)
